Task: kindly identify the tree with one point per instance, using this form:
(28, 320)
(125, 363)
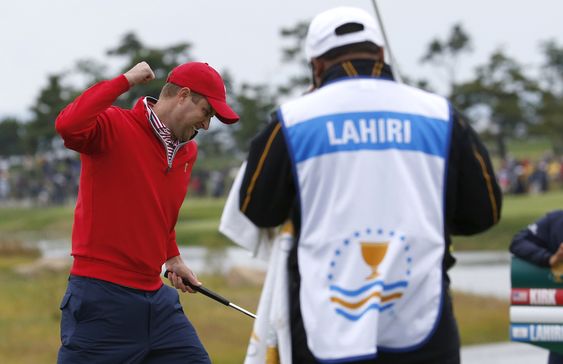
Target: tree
(446, 53)
(553, 67)
(254, 105)
(161, 60)
(503, 95)
(10, 137)
(40, 130)
(91, 71)
(550, 105)
(293, 54)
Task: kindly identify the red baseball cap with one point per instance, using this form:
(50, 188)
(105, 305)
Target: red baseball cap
(204, 80)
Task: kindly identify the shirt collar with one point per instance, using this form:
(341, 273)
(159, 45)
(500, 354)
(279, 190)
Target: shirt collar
(357, 68)
(158, 126)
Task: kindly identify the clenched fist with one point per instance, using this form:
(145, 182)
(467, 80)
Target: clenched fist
(139, 74)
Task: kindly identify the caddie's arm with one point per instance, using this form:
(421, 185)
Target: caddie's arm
(267, 192)
(473, 196)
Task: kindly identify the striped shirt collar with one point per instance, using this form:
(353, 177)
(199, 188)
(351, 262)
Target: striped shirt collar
(162, 131)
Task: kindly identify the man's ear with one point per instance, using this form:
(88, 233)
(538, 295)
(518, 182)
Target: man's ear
(184, 92)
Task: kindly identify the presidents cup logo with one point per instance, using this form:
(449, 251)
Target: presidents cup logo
(369, 272)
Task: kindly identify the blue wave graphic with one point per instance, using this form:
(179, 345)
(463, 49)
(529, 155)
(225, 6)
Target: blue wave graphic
(385, 287)
(374, 306)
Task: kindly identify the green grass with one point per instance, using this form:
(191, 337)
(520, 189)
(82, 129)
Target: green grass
(199, 219)
(517, 213)
(35, 223)
(197, 224)
(532, 148)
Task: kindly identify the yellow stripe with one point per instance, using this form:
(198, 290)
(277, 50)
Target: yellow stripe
(353, 69)
(489, 184)
(288, 228)
(376, 70)
(349, 68)
(259, 167)
(354, 72)
(272, 355)
(346, 69)
(362, 302)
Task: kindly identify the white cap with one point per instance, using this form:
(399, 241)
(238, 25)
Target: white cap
(322, 37)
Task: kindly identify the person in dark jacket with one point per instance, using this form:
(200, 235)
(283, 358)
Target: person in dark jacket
(541, 243)
(326, 162)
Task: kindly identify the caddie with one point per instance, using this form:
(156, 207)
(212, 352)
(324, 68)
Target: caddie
(375, 176)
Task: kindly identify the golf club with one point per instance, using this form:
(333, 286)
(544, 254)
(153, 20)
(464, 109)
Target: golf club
(213, 295)
(392, 60)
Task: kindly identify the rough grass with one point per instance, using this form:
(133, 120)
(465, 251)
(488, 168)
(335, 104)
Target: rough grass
(481, 319)
(29, 317)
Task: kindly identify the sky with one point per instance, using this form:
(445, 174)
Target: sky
(39, 37)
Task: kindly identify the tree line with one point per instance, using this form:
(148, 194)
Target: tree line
(505, 98)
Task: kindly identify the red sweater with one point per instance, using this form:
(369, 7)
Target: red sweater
(128, 200)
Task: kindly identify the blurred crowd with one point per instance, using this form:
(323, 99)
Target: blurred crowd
(52, 178)
(44, 179)
(521, 176)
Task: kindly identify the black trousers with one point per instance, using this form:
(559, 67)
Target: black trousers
(555, 358)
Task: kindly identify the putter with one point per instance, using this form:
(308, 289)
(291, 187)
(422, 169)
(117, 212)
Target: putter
(213, 295)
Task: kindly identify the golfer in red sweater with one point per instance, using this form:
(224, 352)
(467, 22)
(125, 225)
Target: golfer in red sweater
(136, 166)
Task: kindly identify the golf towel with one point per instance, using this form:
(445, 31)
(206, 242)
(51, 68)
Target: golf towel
(270, 341)
(238, 228)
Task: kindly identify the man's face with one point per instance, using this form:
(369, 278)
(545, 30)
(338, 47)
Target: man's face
(191, 114)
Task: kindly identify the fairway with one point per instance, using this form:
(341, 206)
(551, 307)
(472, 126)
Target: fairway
(198, 222)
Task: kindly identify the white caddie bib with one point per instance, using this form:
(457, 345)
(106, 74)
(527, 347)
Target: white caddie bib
(370, 159)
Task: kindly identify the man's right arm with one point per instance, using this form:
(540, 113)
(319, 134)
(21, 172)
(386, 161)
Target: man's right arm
(79, 124)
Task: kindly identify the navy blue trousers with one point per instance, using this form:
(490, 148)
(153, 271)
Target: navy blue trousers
(555, 358)
(104, 322)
